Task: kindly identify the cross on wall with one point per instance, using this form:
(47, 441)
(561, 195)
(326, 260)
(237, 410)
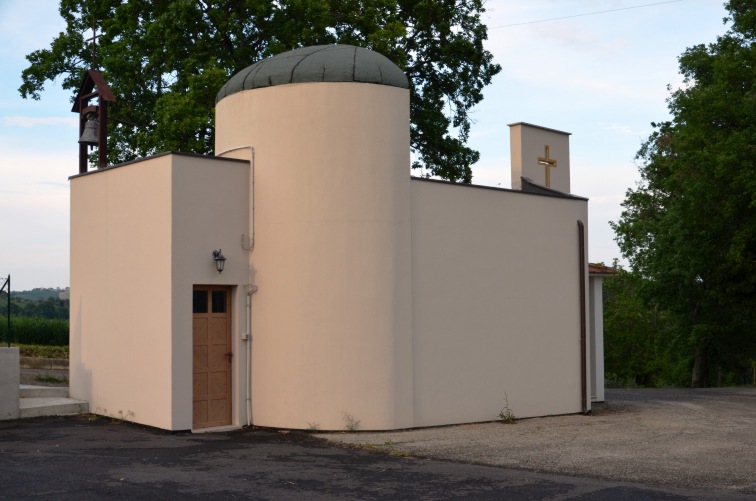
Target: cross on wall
(548, 163)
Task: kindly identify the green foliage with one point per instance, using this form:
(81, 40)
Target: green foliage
(115, 417)
(165, 62)
(636, 331)
(43, 303)
(507, 416)
(42, 351)
(351, 424)
(37, 294)
(689, 228)
(36, 330)
(50, 308)
(50, 379)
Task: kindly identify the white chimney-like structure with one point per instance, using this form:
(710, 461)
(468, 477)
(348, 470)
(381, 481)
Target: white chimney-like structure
(541, 155)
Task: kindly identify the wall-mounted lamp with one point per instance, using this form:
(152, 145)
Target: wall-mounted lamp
(220, 261)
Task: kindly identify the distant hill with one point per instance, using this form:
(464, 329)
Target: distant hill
(45, 303)
(40, 294)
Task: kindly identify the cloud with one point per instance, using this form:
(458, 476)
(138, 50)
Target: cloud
(36, 172)
(21, 121)
(578, 36)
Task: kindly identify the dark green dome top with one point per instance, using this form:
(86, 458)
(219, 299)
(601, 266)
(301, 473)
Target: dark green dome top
(320, 63)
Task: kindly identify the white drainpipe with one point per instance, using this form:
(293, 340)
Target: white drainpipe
(251, 288)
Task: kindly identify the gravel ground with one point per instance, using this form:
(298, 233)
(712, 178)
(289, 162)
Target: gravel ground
(699, 439)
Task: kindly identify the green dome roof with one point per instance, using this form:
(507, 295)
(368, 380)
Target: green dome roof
(320, 63)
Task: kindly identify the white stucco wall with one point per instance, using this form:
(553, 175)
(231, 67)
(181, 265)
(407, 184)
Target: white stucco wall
(389, 301)
(596, 297)
(141, 235)
(210, 200)
(495, 303)
(527, 143)
(10, 378)
(120, 291)
(332, 317)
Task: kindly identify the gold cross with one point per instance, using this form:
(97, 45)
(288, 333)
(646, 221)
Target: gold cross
(547, 163)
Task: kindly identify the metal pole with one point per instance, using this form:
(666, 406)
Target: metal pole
(9, 326)
(8, 334)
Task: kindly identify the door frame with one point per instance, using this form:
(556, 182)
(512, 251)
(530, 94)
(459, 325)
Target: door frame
(228, 314)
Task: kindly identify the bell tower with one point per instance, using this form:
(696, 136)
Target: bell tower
(93, 119)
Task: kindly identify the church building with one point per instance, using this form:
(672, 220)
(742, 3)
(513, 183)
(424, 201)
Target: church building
(302, 278)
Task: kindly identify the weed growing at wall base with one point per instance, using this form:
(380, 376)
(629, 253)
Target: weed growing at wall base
(118, 417)
(506, 415)
(350, 423)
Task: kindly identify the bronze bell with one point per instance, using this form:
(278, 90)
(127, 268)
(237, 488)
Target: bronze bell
(90, 135)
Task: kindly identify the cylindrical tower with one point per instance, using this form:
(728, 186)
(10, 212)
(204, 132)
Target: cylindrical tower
(332, 321)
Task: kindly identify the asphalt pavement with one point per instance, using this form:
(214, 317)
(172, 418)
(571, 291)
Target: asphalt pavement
(642, 445)
(88, 457)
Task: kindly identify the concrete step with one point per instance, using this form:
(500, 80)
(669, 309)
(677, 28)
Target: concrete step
(51, 406)
(43, 363)
(32, 391)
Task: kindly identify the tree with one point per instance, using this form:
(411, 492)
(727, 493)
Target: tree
(690, 225)
(632, 351)
(166, 60)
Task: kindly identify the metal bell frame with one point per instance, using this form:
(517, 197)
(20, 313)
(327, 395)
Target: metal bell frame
(90, 116)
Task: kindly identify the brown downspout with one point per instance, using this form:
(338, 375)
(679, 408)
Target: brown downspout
(583, 361)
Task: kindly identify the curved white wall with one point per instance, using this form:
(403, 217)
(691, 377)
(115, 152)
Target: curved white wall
(333, 315)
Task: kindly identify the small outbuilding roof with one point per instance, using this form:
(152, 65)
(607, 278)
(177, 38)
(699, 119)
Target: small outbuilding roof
(320, 63)
(601, 269)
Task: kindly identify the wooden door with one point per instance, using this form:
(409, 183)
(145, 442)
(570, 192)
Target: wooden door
(211, 386)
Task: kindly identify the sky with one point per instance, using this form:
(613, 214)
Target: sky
(602, 77)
